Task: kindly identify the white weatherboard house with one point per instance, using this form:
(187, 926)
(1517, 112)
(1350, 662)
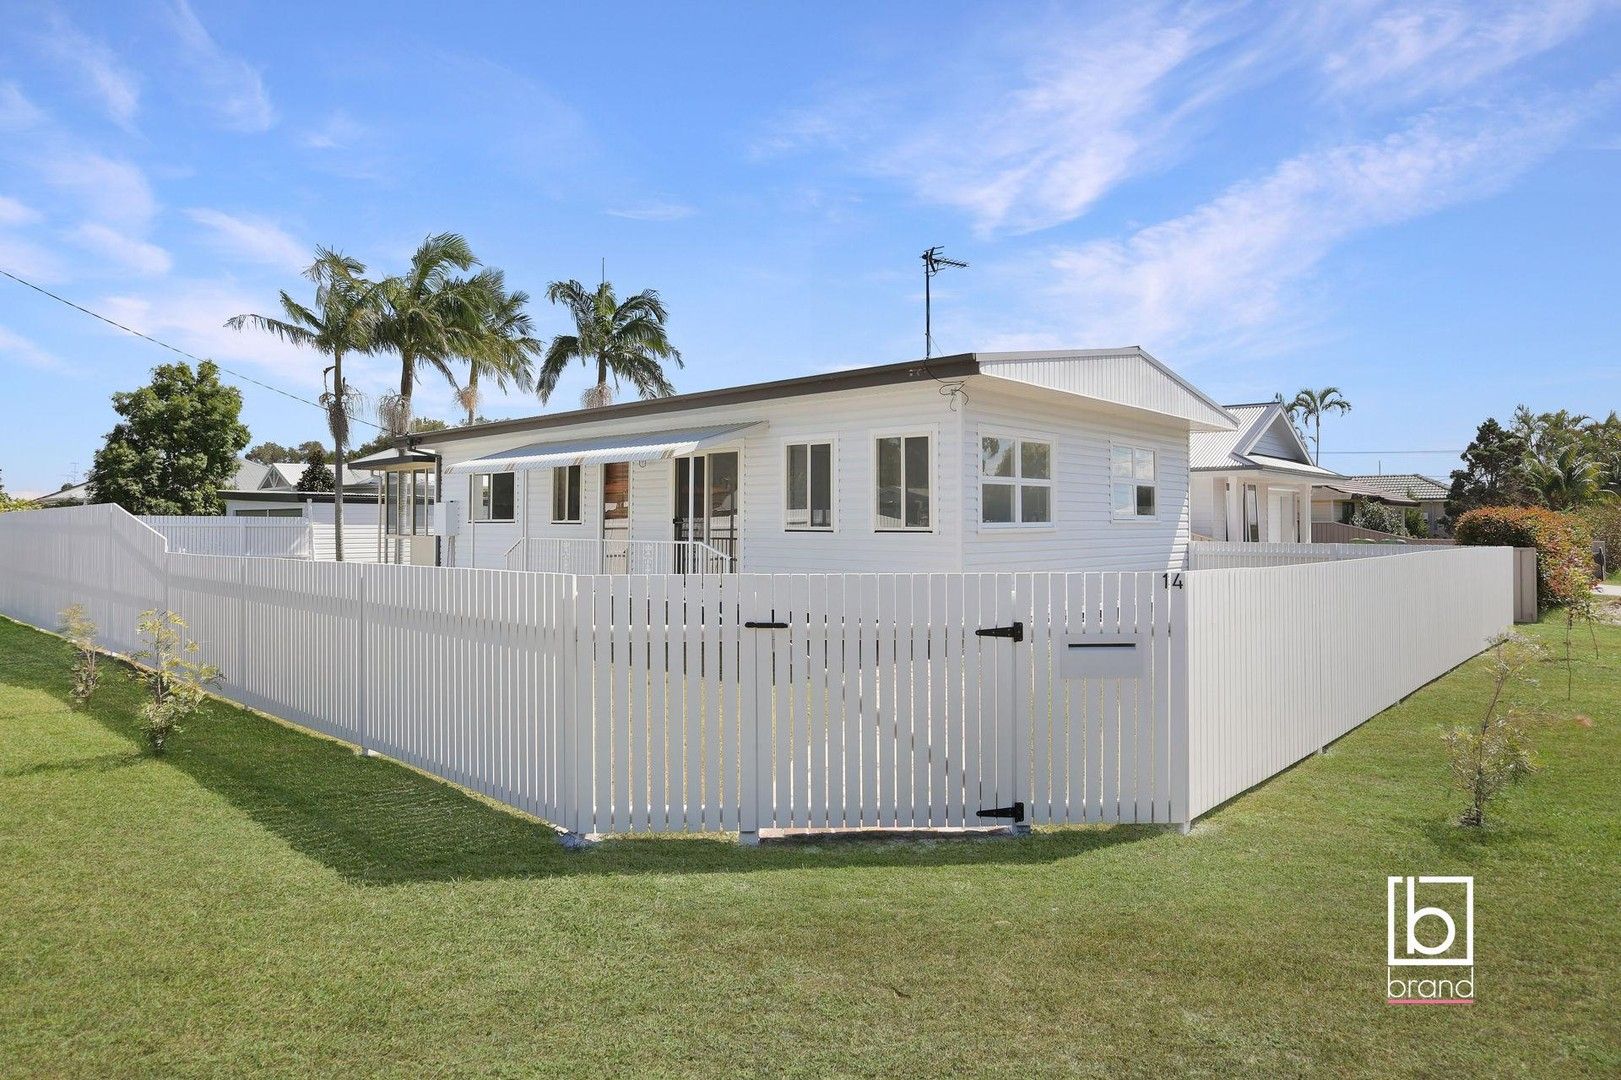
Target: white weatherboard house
(1062, 460)
(1254, 482)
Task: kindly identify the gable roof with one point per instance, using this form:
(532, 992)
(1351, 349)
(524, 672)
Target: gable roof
(1403, 486)
(1241, 449)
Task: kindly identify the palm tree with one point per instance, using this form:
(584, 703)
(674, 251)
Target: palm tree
(506, 345)
(1310, 405)
(623, 340)
(1566, 478)
(341, 322)
(428, 317)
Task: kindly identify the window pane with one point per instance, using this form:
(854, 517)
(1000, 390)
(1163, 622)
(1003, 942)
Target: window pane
(419, 503)
(821, 485)
(1145, 500)
(1121, 461)
(798, 480)
(1035, 503)
(889, 483)
(917, 482)
(574, 493)
(1124, 498)
(996, 504)
(559, 494)
(1036, 460)
(501, 496)
(996, 456)
(616, 491)
(1144, 460)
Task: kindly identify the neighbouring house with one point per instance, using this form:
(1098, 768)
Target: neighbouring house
(1337, 502)
(1061, 460)
(1253, 483)
(260, 490)
(68, 495)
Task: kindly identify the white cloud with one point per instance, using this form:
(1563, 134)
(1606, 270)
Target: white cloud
(191, 314)
(254, 239)
(1409, 51)
(116, 88)
(233, 88)
(17, 113)
(656, 210)
(129, 252)
(13, 212)
(1239, 263)
(30, 260)
(337, 132)
(14, 346)
(110, 189)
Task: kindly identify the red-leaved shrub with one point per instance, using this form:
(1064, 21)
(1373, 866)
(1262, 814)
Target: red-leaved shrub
(1563, 542)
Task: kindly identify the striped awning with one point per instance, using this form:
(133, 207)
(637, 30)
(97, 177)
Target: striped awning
(601, 449)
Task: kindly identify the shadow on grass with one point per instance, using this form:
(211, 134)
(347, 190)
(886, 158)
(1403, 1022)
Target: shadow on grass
(378, 823)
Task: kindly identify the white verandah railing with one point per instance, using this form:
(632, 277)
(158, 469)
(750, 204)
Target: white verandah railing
(569, 555)
(627, 703)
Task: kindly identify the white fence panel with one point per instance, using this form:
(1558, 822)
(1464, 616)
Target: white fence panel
(1284, 660)
(1227, 554)
(265, 538)
(361, 543)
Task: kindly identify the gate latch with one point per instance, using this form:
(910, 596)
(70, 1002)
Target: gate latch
(1016, 812)
(765, 626)
(1016, 631)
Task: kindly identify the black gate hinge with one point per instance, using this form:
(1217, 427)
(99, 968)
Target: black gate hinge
(1016, 812)
(1016, 631)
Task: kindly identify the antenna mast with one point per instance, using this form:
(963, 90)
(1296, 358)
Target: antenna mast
(933, 263)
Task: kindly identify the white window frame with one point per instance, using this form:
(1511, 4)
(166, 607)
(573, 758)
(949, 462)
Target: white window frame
(833, 481)
(1133, 518)
(475, 502)
(1017, 481)
(933, 435)
(576, 475)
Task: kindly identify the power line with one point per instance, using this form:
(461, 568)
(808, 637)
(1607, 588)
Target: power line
(1450, 452)
(178, 351)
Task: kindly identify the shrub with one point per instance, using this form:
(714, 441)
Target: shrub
(174, 680)
(1378, 517)
(1494, 753)
(1604, 519)
(81, 634)
(1563, 543)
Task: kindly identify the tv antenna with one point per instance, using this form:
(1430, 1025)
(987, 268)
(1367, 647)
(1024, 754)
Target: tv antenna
(933, 263)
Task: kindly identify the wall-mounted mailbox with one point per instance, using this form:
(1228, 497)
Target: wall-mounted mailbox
(1103, 656)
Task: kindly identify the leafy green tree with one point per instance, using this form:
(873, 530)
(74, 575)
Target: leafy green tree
(270, 453)
(343, 321)
(317, 476)
(625, 341)
(1492, 474)
(428, 317)
(1309, 407)
(1566, 478)
(176, 445)
(383, 440)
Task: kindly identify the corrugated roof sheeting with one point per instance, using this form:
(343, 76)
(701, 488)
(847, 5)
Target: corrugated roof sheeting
(601, 449)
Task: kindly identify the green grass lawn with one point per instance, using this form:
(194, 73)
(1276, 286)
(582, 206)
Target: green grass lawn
(263, 900)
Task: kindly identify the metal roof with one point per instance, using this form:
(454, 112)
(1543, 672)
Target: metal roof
(1234, 449)
(1403, 486)
(600, 449)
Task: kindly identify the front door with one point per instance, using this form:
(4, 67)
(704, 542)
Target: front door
(616, 517)
(706, 503)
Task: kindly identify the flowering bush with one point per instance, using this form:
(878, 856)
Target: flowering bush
(1563, 542)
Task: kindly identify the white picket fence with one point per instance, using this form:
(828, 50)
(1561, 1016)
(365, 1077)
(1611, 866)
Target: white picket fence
(624, 703)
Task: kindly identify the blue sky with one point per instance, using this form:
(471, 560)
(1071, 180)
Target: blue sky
(1415, 202)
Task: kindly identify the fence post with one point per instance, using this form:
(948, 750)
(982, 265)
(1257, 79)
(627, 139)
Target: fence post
(362, 667)
(578, 727)
(754, 714)
(1181, 699)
